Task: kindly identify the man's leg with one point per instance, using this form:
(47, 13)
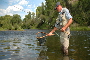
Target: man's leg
(65, 42)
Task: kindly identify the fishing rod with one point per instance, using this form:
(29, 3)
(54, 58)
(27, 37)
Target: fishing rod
(38, 32)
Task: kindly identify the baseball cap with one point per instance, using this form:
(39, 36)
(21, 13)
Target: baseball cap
(58, 3)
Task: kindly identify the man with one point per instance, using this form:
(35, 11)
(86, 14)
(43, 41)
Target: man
(63, 22)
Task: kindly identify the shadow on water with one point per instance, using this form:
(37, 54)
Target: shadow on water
(23, 45)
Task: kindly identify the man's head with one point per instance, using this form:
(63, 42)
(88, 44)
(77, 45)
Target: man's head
(58, 7)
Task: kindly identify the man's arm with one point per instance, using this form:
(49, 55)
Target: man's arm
(52, 31)
(67, 25)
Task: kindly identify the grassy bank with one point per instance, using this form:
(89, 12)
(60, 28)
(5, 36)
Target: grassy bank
(80, 28)
(3, 29)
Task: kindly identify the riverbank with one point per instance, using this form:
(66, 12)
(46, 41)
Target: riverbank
(1, 29)
(78, 28)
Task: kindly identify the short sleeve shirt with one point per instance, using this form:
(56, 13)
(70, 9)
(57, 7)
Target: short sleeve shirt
(67, 14)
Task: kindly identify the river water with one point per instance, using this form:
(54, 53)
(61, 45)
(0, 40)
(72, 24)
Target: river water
(23, 45)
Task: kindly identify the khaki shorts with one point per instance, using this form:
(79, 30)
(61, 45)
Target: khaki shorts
(64, 38)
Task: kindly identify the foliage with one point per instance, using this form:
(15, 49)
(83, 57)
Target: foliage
(80, 28)
(79, 9)
(46, 15)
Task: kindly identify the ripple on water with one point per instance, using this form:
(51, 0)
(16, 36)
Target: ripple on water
(72, 50)
(22, 45)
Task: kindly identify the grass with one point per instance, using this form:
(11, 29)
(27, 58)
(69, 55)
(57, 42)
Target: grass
(1, 29)
(80, 28)
(73, 28)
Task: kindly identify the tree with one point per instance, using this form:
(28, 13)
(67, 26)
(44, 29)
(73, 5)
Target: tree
(16, 22)
(27, 21)
(5, 22)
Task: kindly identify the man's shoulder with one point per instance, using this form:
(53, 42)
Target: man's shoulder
(65, 10)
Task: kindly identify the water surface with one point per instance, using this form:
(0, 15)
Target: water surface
(23, 45)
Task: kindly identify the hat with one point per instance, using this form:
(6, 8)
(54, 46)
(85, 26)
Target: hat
(58, 3)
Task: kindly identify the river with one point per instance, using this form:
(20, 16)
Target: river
(23, 45)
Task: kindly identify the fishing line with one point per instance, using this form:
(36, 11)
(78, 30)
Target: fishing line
(42, 20)
(15, 6)
(28, 12)
(22, 10)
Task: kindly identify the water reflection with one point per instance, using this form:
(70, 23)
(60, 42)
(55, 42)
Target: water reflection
(23, 45)
(42, 41)
(79, 45)
(42, 54)
(19, 45)
(66, 58)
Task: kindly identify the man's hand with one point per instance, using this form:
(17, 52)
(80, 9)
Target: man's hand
(67, 25)
(63, 29)
(50, 34)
